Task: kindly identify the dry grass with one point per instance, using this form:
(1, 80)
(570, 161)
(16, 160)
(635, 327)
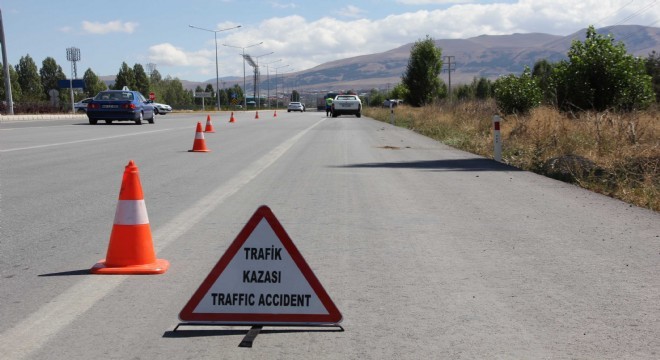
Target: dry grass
(617, 154)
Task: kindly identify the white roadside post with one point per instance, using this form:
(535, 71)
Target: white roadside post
(497, 138)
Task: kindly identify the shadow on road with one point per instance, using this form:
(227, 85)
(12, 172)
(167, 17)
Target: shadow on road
(69, 273)
(473, 164)
(233, 332)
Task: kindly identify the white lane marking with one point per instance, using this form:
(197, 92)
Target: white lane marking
(36, 330)
(86, 140)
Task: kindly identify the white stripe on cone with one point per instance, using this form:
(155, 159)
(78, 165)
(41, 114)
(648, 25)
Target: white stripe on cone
(131, 212)
(199, 135)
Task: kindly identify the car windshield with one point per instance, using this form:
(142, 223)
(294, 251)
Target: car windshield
(114, 95)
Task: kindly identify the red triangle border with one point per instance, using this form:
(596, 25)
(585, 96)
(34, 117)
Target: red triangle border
(263, 212)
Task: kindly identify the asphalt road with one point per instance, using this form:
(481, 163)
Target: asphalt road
(428, 252)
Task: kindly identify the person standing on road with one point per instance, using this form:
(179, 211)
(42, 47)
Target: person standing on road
(328, 106)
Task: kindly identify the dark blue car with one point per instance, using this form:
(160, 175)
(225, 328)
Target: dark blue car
(120, 105)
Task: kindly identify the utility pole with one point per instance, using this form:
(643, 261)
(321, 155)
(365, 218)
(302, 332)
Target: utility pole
(449, 69)
(5, 69)
(73, 55)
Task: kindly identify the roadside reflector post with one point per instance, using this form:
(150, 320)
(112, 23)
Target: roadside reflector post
(497, 138)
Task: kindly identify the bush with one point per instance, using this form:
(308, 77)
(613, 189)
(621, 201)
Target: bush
(517, 94)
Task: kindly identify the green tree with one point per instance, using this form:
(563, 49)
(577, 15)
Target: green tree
(295, 95)
(483, 88)
(50, 73)
(542, 73)
(600, 74)
(400, 92)
(653, 70)
(209, 89)
(125, 77)
(421, 77)
(155, 77)
(171, 91)
(93, 85)
(376, 97)
(517, 94)
(141, 80)
(464, 92)
(224, 100)
(237, 93)
(29, 80)
(16, 92)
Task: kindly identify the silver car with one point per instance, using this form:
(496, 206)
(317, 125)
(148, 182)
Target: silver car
(161, 109)
(81, 106)
(295, 106)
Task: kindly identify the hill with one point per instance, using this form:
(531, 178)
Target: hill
(488, 56)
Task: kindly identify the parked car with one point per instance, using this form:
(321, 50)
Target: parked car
(120, 105)
(161, 109)
(81, 106)
(393, 102)
(295, 106)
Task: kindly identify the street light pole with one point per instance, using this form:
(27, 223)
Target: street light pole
(277, 100)
(243, 54)
(217, 76)
(256, 78)
(268, 79)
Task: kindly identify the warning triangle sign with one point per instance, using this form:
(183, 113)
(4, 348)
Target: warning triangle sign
(261, 279)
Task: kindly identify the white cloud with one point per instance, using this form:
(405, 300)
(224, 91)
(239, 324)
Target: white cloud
(109, 27)
(168, 55)
(279, 5)
(349, 11)
(432, 2)
(305, 43)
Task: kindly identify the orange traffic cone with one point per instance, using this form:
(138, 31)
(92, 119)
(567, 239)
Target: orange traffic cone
(209, 126)
(131, 250)
(256, 116)
(275, 113)
(200, 144)
(231, 119)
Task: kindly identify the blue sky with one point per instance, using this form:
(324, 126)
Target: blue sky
(302, 34)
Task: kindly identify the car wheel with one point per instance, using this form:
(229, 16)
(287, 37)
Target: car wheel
(92, 121)
(108, 122)
(139, 120)
(288, 111)
(334, 114)
(358, 115)
(153, 117)
(156, 111)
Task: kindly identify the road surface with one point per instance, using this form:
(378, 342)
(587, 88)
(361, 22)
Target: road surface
(427, 251)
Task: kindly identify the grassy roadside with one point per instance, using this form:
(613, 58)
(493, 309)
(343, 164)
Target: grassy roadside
(610, 153)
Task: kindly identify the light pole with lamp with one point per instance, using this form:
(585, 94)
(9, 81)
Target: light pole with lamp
(268, 78)
(257, 81)
(277, 100)
(243, 50)
(290, 70)
(217, 78)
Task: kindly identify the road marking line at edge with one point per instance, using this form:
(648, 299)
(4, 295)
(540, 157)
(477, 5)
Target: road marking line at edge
(35, 331)
(86, 140)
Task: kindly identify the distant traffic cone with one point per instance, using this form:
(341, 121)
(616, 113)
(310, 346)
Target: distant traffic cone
(131, 250)
(209, 126)
(231, 119)
(256, 116)
(275, 113)
(200, 144)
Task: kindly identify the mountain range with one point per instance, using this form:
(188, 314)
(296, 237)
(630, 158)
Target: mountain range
(488, 56)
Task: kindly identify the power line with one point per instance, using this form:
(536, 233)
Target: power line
(638, 12)
(615, 13)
